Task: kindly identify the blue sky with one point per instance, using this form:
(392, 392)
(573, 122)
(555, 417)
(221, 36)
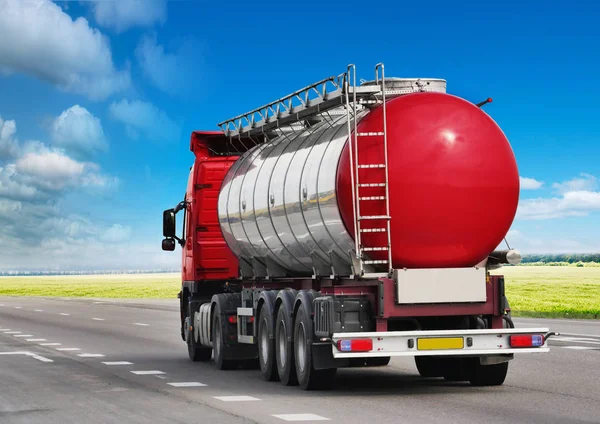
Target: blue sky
(98, 99)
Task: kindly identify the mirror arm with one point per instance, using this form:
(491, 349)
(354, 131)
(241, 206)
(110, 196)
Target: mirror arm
(180, 206)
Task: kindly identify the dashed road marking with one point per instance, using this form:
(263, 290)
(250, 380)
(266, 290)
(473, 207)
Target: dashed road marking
(301, 417)
(64, 314)
(38, 310)
(141, 324)
(580, 347)
(36, 340)
(236, 398)
(118, 363)
(23, 335)
(68, 349)
(50, 344)
(12, 332)
(90, 355)
(18, 307)
(98, 319)
(42, 358)
(148, 372)
(4, 330)
(187, 384)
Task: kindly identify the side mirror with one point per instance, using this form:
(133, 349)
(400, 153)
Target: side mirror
(168, 244)
(169, 223)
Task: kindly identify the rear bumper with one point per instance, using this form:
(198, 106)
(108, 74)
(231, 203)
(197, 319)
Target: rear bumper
(440, 343)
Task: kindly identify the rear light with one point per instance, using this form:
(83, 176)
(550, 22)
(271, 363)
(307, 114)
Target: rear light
(358, 345)
(232, 319)
(527, 340)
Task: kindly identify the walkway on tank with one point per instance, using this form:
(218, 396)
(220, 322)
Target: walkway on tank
(124, 361)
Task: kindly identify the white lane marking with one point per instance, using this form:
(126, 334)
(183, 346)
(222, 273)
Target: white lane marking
(98, 303)
(64, 314)
(90, 355)
(4, 330)
(50, 344)
(1, 304)
(36, 340)
(33, 355)
(98, 319)
(38, 310)
(23, 335)
(141, 323)
(579, 347)
(118, 363)
(236, 398)
(68, 349)
(18, 307)
(187, 384)
(148, 372)
(12, 332)
(42, 358)
(301, 417)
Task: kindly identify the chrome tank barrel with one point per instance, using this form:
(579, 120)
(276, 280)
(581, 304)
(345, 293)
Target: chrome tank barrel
(278, 203)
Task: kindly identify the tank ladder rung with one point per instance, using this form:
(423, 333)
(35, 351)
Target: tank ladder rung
(372, 185)
(375, 261)
(372, 198)
(370, 134)
(374, 249)
(372, 217)
(372, 165)
(373, 230)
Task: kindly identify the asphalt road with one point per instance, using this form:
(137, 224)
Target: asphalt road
(94, 361)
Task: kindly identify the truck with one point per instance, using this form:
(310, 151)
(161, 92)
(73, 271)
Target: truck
(345, 224)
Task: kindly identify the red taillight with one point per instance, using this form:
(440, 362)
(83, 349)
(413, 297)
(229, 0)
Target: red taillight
(527, 340)
(358, 345)
(233, 319)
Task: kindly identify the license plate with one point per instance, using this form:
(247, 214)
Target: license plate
(440, 343)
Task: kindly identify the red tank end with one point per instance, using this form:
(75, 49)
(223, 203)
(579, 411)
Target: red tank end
(453, 181)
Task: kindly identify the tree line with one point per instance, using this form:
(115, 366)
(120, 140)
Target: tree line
(570, 258)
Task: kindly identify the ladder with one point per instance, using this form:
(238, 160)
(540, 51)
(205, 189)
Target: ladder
(366, 265)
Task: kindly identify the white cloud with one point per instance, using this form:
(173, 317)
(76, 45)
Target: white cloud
(176, 72)
(147, 119)
(573, 203)
(116, 233)
(121, 15)
(545, 243)
(530, 183)
(78, 130)
(586, 182)
(55, 48)
(8, 143)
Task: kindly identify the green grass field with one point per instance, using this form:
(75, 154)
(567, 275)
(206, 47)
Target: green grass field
(541, 291)
(547, 291)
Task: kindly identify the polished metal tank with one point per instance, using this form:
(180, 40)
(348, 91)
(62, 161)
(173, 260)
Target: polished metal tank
(278, 202)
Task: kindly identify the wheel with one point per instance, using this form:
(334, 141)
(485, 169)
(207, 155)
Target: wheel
(284, 351)
(429, 366)
(308, 377)
(266, 347)
(196, 352)
(378, 362)
(219, 346)
(488, 375)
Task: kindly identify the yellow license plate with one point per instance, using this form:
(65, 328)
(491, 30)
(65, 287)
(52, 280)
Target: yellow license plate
(440, 343)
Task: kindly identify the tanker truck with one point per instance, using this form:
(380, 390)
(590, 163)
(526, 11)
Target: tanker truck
(345, 224)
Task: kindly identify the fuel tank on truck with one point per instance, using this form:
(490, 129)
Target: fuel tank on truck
(452, 178)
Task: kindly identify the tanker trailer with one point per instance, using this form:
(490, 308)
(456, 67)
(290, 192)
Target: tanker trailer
(346, 224)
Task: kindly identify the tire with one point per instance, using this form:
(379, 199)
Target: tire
(284, 348)
(429, 366)
(488, 375)
(266, 347)
(219, 346)
(196, 352)
(308, 377)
